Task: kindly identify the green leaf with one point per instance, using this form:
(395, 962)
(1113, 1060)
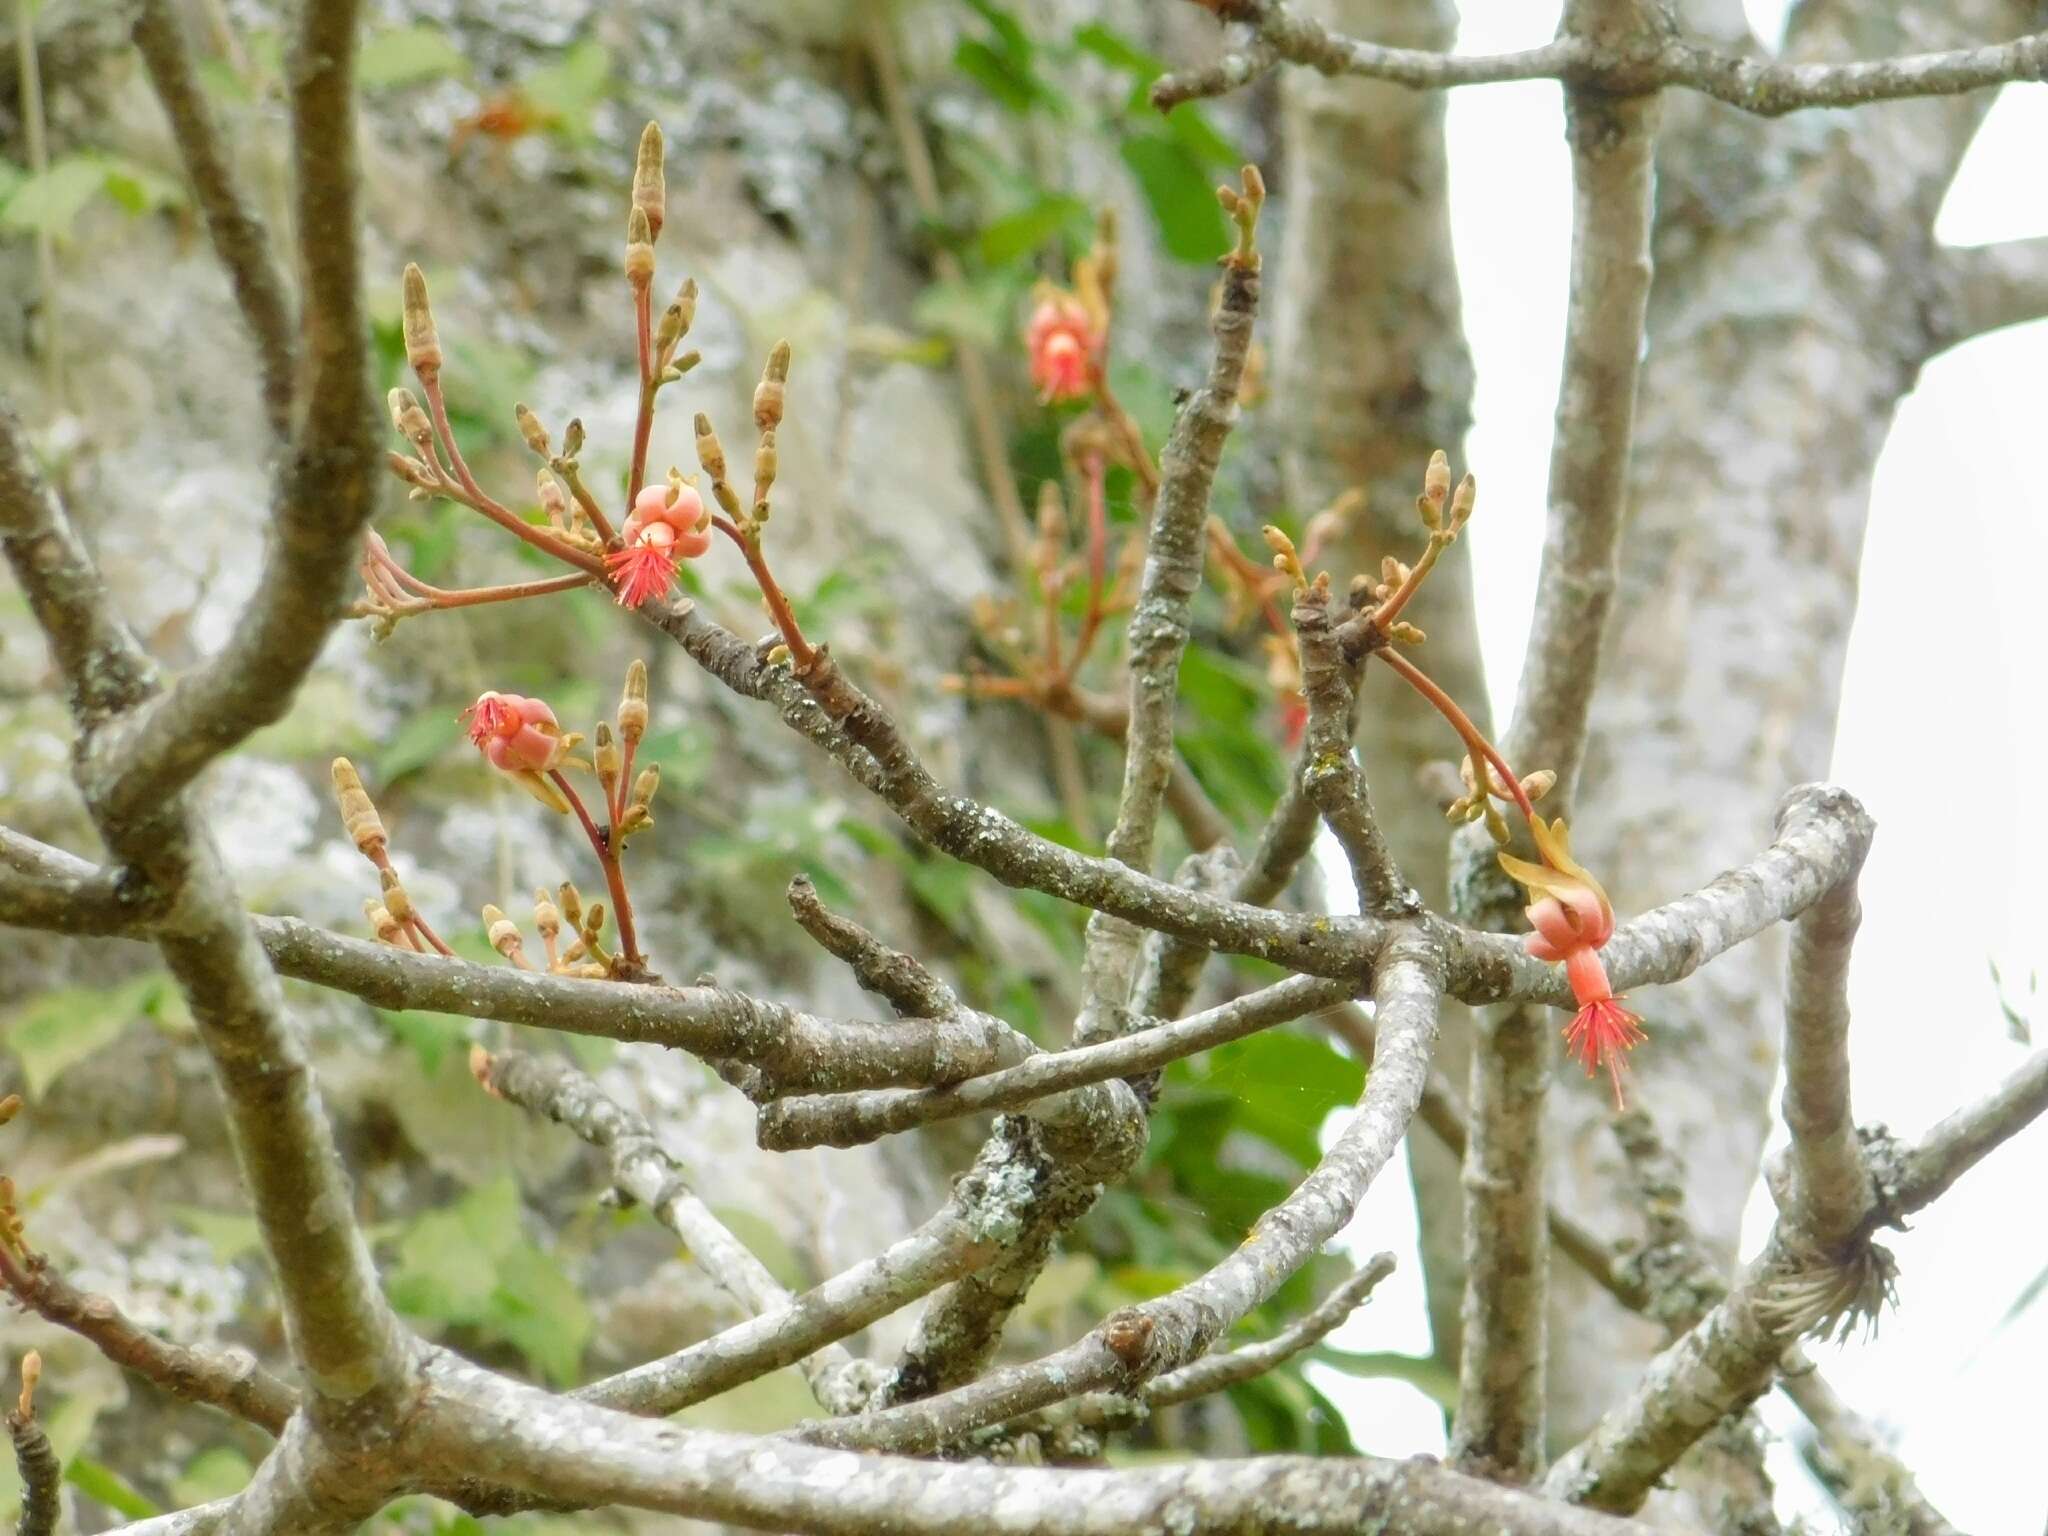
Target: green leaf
(1015, 89)
(214, 1473)
(1177, 190)
(139, 189)
(1030, 228)
(103, 1485)
(62, 1028)
(1285, 1085)
(405, 55)
(976, 310)
(1119, 52)
(431, 1036)
(570, 89)
(50, 203)
(539, 1311)
(1200, 138)
(424, 736)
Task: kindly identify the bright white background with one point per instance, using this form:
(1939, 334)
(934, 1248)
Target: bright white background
(1951, 765)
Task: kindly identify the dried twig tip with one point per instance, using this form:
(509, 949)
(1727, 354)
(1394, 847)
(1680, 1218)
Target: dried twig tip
(31, 1373)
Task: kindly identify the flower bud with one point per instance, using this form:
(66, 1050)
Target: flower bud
(422, 342)
(639, 251)
(572, 904)
(1461, 502)
(387, 928)
(637, 818)
(552, 500)
(769, 393)
(503, 932)
(547, 917)
(9, 1107)
(633, 704)
(675, 320)
(530, 428)
(1436, 485)
(1539, 783)
(407, 419)
(396, 901)
(710, 453)
(606, 757)
(593, 922)
(358, 812)
(650, 192)
(572, 438)
(644, 785)
(764, 472)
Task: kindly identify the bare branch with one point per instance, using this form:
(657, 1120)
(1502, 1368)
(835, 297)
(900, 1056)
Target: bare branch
(1137, 1343)
(1983, 288)
(239, 235)
(853, 1119)
(332, 474)
(1831, 1185)
(1731, 1357)
(1330, 773)
(1961, 1141)
(910, 989)
(41, 1472)
(1214, 1373)
(231, 1380)
(1635, 67)
(503, 1430)
(1848, 1456)
(644, 1169)
(1157, 637)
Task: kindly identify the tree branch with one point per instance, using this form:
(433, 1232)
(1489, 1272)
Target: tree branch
(333, 472)
(1848, 1457)
(1830, 1184)
(240, 238)
(1983, 288)
(644, 1169)
(1731, 1356)
(1278, 32)
(1137, 1343)
(854, 1119)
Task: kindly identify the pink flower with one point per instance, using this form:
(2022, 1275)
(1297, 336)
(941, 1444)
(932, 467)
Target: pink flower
(518, 735)
(1573, 921)
(1065, 344)
(658, 534)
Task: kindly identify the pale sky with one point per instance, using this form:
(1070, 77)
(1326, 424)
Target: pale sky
(1961, 485)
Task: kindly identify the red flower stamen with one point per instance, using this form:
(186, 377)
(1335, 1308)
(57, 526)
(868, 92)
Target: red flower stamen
(490, 716)
(1599, 1034)
(641, 571)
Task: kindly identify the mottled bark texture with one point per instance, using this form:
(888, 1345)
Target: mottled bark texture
(1796, 266)
(1369, 354)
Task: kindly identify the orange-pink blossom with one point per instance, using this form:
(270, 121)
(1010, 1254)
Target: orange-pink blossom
(1573, 920)
(659, 532)
(1064, 341)
(521, 737)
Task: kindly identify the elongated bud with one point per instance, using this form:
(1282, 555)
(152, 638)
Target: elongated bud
(710, 452)
(530, 428)
(636, 818)
(407, 419)
(572, 438)
(639, 251)
(650, 192)
(552, 500)
(502, 931)
(422, 341)
(633, 704)
(675, 321)
(593, 922)
(396, 901)
(1436, 485)
(358, 812)
(768, 394)
(1539, 783)
(387, 928)
(572, 904)
(606, 757)
(1461, 502)
(764, 472)
(9, 1107)
(1404, 633)
(547, 917)
(645, 783)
